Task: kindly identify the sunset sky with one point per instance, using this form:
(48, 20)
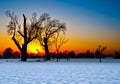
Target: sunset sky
(89, 22)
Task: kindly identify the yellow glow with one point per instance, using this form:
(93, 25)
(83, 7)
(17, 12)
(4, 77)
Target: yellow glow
(35, 48)
(36, 52)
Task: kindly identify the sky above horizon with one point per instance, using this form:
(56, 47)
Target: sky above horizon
(89, 22)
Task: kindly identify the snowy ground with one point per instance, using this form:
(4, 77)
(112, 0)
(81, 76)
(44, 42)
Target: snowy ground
(78, 71)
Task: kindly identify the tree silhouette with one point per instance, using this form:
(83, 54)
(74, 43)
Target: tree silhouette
(88, 54)
(22, 35)
(59, 41)
(16, 54)
(48, 30)
(7, 53)
(99, 52)
(117, 54)
(71, 54)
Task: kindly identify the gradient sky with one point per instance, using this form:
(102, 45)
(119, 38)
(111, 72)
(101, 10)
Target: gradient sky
(89, 22)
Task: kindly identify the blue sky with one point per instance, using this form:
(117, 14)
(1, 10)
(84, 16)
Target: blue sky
(105, 7)
(77, 10)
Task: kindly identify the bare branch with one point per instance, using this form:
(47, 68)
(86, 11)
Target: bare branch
(17, 44)
(59, 41)
(21, 34)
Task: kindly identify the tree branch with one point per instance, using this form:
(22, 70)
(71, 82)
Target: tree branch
(20, 34)
(31, 39)
(17, 44)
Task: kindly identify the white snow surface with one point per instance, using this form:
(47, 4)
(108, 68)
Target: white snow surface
(74, 71)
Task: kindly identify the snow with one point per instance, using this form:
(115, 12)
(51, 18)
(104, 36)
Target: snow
(74, 71)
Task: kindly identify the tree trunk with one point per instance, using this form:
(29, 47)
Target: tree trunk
(100, 58)
(46, 49)
(24, 53)
(57, 55)
(24, 46)
(47, 53)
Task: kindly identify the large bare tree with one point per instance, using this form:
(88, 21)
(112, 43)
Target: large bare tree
(48, 30)
(23, 35)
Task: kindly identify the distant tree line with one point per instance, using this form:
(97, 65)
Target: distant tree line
(9, 53)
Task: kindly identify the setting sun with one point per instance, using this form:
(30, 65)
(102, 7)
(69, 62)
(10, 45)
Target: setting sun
(36, 52)
(35, 48)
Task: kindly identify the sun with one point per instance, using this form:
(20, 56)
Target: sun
(36, 52)
(35, 48)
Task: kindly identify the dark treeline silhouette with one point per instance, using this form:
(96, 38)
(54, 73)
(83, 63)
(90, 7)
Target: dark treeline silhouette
(9, 53)
(71, 54)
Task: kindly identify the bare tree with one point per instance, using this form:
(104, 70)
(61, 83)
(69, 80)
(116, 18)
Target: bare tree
(23, 35)
(99, 52)
(49, 29)
(59, 41)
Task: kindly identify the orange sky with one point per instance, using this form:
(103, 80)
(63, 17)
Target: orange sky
(81, 41)
(73, 44)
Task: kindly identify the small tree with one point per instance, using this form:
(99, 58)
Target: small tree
(48, 30)
(8, 52)
(117, 54)
(99, 52)
(59, 41)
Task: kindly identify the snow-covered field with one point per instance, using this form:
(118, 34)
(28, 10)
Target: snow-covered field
(77, 71)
